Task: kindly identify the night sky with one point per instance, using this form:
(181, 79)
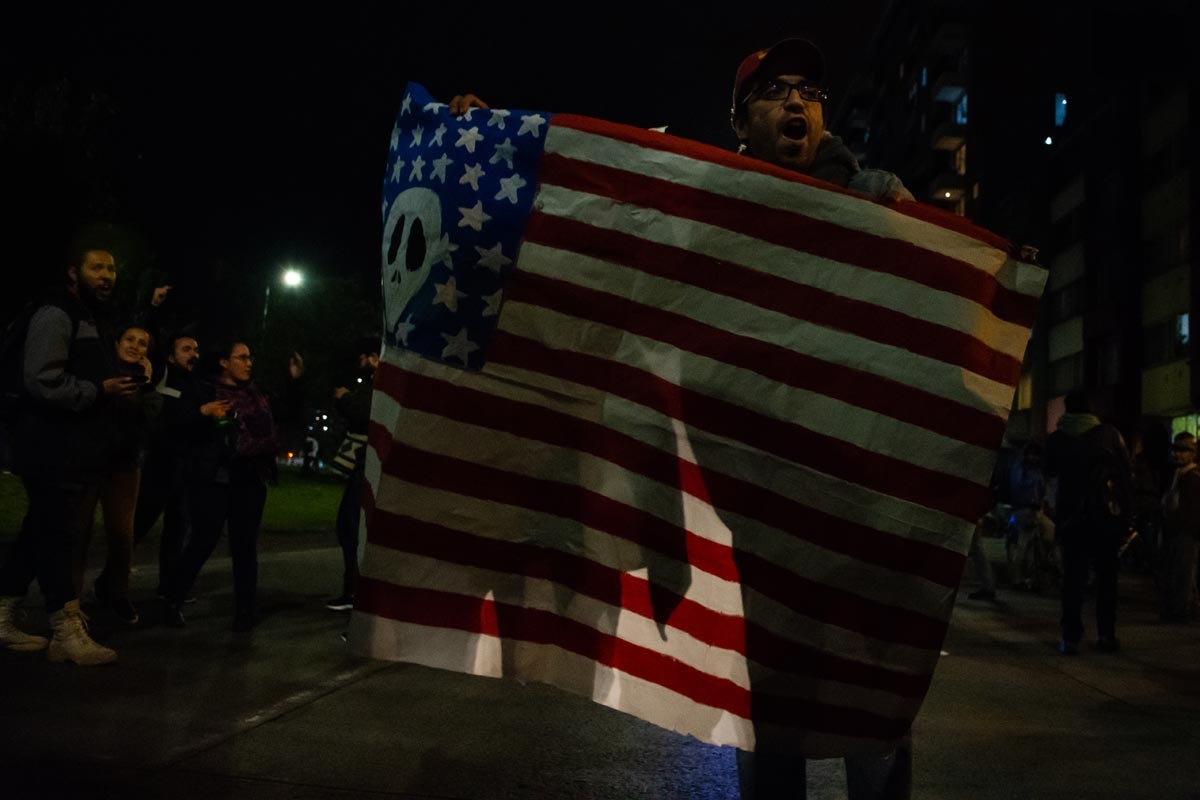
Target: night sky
(259, 139)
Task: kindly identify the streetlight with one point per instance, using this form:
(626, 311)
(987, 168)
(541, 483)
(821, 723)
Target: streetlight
(292, 278)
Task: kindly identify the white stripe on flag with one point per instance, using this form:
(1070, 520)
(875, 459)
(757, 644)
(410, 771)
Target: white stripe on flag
(847, 211)
(825, 415)
(877, 288)
(450, 649)
(570, 467)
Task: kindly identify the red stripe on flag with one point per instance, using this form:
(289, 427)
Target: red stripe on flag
(794, 230)
(571, 502)
(802, 302)
(637, 595)
(883, 473)
(725, 493)
(514, 623)
(685, 147)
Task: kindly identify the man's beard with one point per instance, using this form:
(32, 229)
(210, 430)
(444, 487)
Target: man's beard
(88, 295)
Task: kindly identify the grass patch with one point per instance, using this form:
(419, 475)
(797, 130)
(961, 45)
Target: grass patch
(302, 503)
(298, 503)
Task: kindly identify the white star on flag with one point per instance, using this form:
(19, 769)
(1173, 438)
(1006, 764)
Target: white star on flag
(505, 151)
(403, 329)
(385, 208)
(406, 106)
(396, 170)
(531, 123)
(493, 258)
(435, 107)
(467, 138)
(497, 119)
(448, 294)
(417, 133)
(492, 308)
(509, 187)
(466, 115)
(395, 138)
(473, 217)
(418, 166)
(436, 141)
(439, 167)
(472, 175)
(441, 250)
(458, 346)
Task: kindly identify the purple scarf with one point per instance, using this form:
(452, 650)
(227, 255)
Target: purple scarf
(257, 435)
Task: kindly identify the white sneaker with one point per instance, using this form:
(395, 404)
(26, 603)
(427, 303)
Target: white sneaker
(71, 641)
(13, 637)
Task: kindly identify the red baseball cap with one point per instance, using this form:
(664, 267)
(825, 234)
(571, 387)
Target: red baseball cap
(789, 56)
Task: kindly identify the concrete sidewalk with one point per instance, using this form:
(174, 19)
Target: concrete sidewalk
(286, 712)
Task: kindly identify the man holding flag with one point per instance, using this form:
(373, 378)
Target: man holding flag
(701, 437)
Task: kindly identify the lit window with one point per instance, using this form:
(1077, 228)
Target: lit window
(960, 111)
(1060, 109)
(1025, 392)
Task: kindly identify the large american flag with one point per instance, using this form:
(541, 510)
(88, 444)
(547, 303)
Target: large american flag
(699, 438)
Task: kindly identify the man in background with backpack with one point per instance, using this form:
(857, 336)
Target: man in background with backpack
(67, 379)
(1093, 511)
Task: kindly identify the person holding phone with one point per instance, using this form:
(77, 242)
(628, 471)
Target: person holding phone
(117, 492)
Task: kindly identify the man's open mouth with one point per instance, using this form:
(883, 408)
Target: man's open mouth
(795, 129)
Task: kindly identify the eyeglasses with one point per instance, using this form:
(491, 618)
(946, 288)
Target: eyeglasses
(775, 90)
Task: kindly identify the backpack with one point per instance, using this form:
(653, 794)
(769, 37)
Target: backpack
(1108, 494)
(12, 348)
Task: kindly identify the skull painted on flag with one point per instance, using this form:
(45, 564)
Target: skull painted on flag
(411, 235)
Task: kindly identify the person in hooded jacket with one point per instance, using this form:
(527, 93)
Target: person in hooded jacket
(1089, 460)
(230, 429)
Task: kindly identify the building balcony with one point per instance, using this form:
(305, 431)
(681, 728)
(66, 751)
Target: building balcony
(948, 136)
(949, 87)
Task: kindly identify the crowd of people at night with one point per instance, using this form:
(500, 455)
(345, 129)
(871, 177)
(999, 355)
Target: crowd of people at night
(144, 424)
(150, 424)
(1073, 511)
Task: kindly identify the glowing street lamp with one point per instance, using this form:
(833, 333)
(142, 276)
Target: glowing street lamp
(292, 278)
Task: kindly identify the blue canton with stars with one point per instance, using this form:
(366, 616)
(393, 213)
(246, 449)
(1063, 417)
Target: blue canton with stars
(456, 196)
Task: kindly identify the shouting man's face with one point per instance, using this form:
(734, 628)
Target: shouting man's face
(94, 278)
(779, 125)
(187, 353)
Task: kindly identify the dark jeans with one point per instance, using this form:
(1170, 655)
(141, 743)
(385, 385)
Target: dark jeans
(349, 513)
(1083, 548)
(162, 495)
(46, 545)
(240, 504)
(884, 776)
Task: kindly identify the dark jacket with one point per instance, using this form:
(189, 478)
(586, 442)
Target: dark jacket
(131, 419)
(64, 427)
(836, 164)
(1072, 452)
(355, 405)
(164, 436)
